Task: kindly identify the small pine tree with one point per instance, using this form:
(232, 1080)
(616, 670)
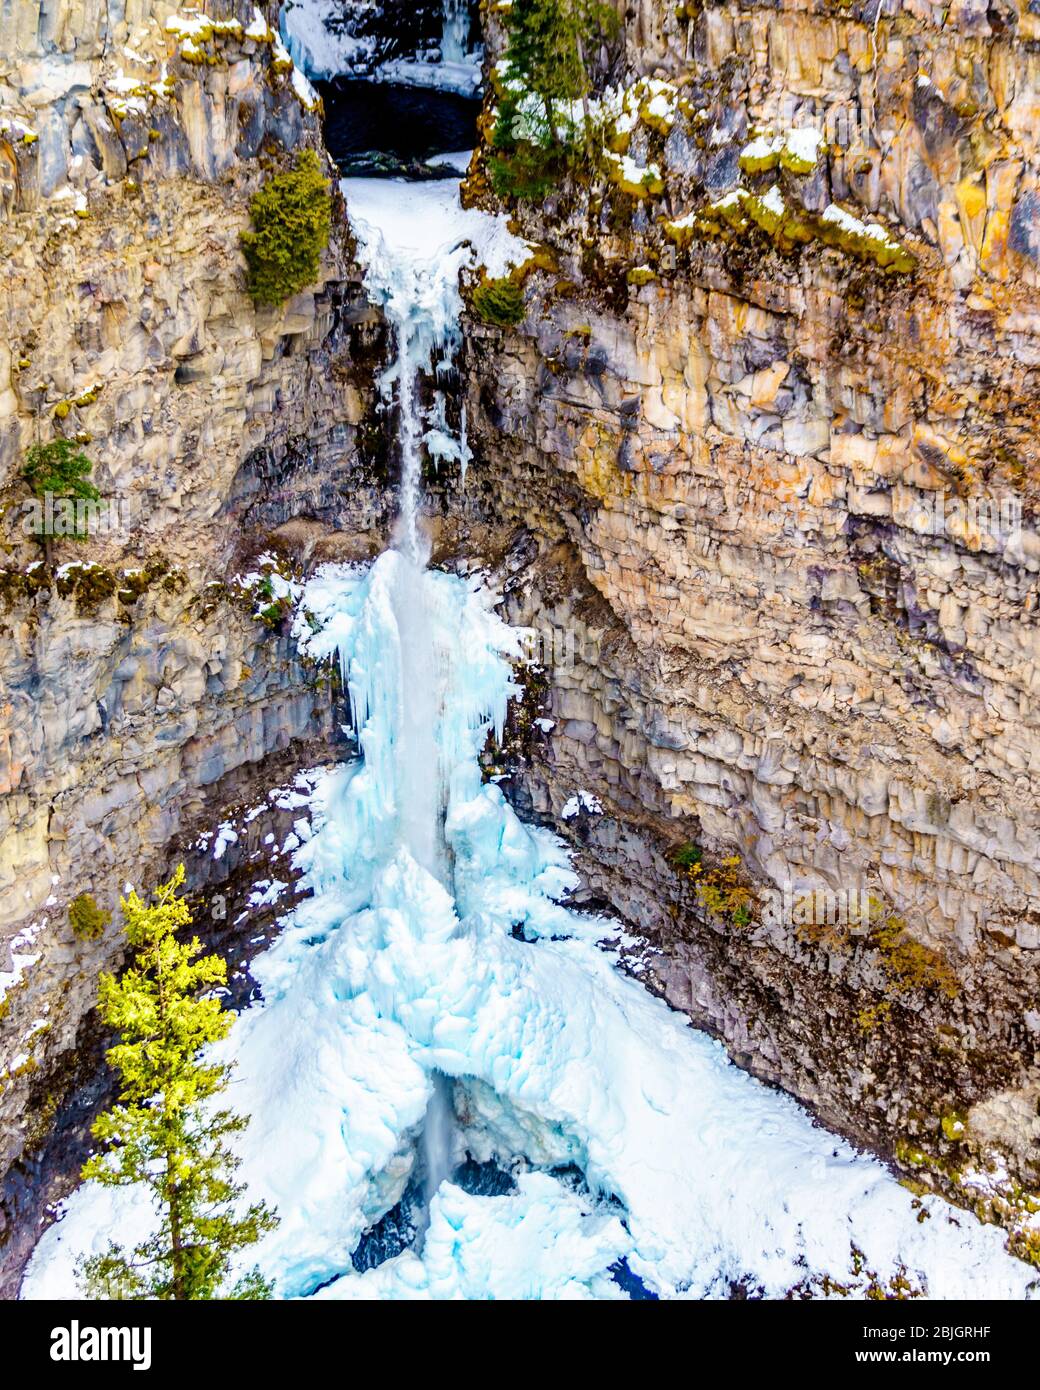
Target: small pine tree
(161, 1133)
(499, 302)
(292, 222)
(60, 468)
(545, 58)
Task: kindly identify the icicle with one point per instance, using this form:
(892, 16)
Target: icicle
(455, 32)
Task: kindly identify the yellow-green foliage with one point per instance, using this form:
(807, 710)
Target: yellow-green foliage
(954, 1126)
(292, 221)
(681, 230)
(88, 921)
(797, 164)
(1006, 1203)
(1025, 1244)
(789, 225)
(858, 240)
(163, 1133)
(767, 152)
(911, 1155)
(634, 179)
(871, 1016)
(909, 964)
(863, 1282)
(721, 889)
(760, 163)
(1015, 1208)
(499, 302)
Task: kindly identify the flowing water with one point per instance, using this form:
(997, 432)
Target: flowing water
(438, 1145)
(455, 1089)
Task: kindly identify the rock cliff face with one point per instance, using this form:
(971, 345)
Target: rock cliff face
(762, 456)
(140, 690)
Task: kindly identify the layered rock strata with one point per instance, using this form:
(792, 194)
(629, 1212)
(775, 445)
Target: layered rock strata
(762, 459)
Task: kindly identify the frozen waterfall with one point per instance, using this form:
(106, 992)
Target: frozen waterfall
(384, 980)
(436, 954)
(326, 42)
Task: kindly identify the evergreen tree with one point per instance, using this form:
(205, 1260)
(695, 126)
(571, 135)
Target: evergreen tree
(60, 468)
(546, 60)
(88, 921)
(292, 222)
(162, 1133)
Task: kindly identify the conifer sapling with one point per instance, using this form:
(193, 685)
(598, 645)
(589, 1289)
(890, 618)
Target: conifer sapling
(164, 1132)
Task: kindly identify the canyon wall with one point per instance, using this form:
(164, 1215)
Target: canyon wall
(761, 456)
(142, 687)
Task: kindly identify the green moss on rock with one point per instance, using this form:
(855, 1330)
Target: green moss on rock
(789, 225)
(88, 585)
(88, 921)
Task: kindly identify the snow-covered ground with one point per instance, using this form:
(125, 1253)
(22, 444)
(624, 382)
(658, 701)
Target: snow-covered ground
(458, 160)
(322, 50)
